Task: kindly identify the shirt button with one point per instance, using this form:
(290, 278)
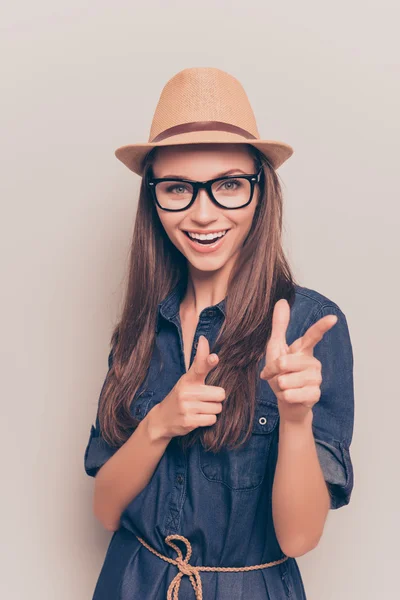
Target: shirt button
(262, 420)
(137, 411)
(209, 313)
(179, 478)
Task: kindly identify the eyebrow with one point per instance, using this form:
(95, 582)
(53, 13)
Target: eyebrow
(218, 175)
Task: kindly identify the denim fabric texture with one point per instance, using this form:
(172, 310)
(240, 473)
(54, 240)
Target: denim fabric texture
(222, 502)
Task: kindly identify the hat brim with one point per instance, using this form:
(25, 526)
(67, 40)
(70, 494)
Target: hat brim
(132, 155)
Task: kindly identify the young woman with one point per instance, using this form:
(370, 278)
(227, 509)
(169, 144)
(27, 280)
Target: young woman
(225, 420)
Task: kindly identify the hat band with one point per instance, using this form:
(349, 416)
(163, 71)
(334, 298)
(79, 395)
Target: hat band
(202, 126)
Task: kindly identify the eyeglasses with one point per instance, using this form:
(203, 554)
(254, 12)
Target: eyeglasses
(233, 191)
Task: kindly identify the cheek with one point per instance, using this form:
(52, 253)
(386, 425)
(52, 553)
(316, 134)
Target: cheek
(169, 224)
(175, 236)
(244, 222)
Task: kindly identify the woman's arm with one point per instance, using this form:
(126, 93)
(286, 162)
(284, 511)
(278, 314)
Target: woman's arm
(313, 381)
(127, 472)
(300, 497)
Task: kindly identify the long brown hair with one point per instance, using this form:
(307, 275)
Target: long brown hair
(260, 277)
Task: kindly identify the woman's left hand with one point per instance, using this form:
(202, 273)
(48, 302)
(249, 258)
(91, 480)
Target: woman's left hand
(293, 372)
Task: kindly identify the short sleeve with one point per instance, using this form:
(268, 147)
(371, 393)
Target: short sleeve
(333, 414)
(98, 451)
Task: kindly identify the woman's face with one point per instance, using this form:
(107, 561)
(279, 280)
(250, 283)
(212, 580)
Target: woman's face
(200, 163)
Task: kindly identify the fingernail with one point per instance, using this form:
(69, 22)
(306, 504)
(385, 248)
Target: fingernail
(213, 358)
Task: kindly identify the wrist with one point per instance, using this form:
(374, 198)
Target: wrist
(303, 424)
(154, 428)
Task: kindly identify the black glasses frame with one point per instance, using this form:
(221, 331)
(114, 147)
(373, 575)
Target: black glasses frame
(197, 185)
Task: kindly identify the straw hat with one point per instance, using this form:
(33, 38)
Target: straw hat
(202, 105)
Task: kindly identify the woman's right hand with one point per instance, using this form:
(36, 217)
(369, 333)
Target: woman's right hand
(191, 403)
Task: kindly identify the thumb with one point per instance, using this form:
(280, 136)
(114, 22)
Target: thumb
(202, 363)
(276, 344)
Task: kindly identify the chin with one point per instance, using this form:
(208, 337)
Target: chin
(207, 264)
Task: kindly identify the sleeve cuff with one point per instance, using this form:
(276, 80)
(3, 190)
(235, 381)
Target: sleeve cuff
(334, 458)
(97, 453)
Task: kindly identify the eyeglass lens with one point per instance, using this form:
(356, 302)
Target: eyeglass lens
(231, 193)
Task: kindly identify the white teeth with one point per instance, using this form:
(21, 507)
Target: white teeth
(209, 236)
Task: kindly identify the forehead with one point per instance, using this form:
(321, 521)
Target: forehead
(201, 161)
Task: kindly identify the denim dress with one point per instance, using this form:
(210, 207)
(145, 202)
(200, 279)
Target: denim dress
(222, 503)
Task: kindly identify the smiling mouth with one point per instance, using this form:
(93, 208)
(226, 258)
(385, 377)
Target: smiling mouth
(205, 242)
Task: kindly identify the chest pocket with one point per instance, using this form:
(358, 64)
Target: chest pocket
(243, 468)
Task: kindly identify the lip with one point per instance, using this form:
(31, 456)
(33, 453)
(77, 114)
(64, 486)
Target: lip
(206, 231)
(210, 247)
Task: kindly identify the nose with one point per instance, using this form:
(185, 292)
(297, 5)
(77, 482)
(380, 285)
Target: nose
(204, 207)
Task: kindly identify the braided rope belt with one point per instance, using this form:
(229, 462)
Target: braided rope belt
(191, 571)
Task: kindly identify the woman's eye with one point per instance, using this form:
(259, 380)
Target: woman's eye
(176, 187)
(231, 183)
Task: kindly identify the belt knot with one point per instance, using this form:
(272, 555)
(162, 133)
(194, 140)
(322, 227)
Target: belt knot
(192, 571)
(184, 569)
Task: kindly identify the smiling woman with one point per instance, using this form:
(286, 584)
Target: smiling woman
(210, 203)
(186, 449)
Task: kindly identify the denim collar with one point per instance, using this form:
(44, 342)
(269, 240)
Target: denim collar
(169, 307)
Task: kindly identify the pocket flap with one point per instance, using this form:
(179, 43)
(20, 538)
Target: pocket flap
(266, 417)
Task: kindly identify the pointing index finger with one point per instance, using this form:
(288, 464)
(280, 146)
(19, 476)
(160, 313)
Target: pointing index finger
(314, 334)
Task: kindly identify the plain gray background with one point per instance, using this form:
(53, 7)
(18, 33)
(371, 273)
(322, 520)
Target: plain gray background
(80, 79)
